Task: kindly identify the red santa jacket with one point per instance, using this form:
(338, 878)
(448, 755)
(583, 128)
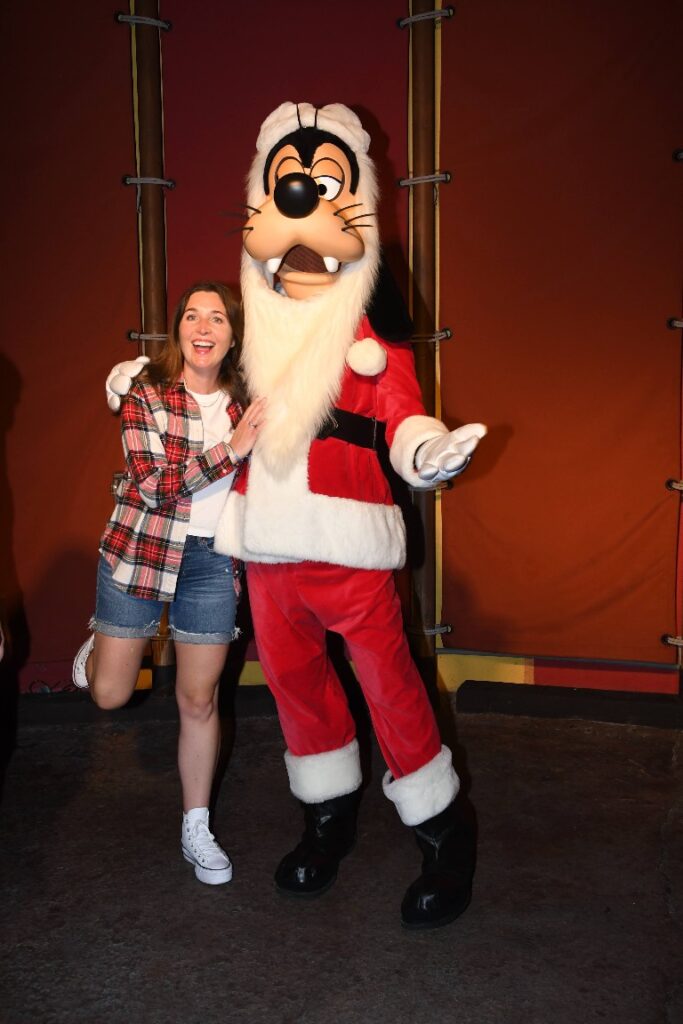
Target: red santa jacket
(335, 504)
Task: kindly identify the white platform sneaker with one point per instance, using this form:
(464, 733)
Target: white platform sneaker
(78, 671)
(199, 847)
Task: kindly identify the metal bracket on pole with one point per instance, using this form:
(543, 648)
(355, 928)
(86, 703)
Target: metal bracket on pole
(437, 630)
(435, 179)
(443, 335)
(140, 19)
(672, 641)
(444, 12)
(443, 485)
(116, 479)
(166, 182)
(134, 336)
(425, 179)
(128, 179)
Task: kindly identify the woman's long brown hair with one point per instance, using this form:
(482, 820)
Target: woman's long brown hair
(167, 367)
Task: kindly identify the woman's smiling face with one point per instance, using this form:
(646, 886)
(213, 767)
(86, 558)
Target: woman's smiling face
(205, 334)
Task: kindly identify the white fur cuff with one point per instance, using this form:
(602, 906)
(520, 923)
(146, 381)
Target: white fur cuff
(425, 792)
(317, 777)
(413, 432)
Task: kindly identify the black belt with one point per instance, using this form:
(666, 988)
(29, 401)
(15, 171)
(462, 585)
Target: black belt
(363, 431)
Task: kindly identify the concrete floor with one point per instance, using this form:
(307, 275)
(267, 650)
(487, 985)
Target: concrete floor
(577, 914)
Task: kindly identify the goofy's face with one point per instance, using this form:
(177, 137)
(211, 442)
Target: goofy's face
(309, 227)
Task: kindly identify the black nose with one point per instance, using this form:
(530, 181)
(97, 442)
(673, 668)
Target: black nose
(296, 195)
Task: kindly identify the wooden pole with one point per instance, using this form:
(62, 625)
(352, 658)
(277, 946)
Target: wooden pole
(150, 160)
(423, 285)
(149, 144)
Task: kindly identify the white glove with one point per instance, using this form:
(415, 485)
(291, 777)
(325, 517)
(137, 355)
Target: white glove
(120, 380)
(447, 455)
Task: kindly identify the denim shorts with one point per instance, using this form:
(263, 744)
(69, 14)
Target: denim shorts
(202, 612)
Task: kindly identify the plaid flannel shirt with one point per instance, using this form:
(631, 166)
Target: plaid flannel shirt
(163, 437)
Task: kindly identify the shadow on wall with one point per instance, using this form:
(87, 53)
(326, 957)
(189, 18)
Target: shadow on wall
(62, 602)
(66, 590)
(12, 612)
(391, 228)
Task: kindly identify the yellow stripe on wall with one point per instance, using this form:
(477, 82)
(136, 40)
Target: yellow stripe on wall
(453, 668)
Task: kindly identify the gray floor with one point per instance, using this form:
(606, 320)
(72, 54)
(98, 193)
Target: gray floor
(577, 915)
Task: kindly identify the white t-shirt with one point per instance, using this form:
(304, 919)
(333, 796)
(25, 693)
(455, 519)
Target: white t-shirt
(208, 503)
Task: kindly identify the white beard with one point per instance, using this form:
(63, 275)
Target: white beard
(294, 355)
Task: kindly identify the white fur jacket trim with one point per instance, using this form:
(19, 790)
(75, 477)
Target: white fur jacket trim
(425, 792)
(411, 433)
(317, 777)
(282, 521)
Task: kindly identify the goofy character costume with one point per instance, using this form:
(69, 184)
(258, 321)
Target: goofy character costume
(312, 513)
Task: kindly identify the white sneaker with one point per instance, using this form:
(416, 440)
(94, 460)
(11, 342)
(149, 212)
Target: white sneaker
(78, 671)
(211, 863)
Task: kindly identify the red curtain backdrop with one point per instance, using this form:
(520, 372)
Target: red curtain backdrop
(226, 66)
(561, 262)
(71, 293)
(560, 267)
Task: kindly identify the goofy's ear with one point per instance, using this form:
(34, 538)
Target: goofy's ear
(387, 311)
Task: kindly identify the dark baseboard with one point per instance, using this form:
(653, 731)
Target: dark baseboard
(473, 697)
(157, 704)
(663, 711)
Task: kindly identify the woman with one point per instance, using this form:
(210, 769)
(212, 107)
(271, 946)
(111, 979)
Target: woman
(184, 438)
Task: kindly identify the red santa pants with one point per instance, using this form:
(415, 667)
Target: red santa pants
(292, 605)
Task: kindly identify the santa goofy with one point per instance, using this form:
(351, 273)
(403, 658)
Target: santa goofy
(312, 514)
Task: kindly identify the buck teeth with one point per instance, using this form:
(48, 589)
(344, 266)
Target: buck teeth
(273, 264)
(331, 264)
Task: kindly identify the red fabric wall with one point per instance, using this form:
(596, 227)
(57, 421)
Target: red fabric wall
(560, 267)
(561, 262)
(71, 276)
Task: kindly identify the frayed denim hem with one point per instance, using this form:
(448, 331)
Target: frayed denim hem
(124, 632)
(204, 638)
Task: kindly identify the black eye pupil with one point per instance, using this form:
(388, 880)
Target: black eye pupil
(322, 189)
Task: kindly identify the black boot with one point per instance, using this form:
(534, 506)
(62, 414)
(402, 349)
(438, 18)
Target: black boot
(444, 889)
(330, 832)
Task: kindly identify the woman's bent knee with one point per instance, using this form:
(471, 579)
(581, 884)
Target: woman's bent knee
(108, 697)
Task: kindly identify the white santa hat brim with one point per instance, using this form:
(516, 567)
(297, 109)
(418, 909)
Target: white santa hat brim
(334, 118)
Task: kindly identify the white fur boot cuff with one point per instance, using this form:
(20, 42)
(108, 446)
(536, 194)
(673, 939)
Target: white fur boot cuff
(317, 777)
(425, 792)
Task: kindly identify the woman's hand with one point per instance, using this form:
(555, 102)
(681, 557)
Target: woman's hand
(246, 431)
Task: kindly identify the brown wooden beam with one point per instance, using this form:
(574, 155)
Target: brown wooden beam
(152, 218)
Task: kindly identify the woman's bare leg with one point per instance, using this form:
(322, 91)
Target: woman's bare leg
(198, 670)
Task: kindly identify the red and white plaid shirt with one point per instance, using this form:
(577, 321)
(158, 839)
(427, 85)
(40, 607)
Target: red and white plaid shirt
(163, 437)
